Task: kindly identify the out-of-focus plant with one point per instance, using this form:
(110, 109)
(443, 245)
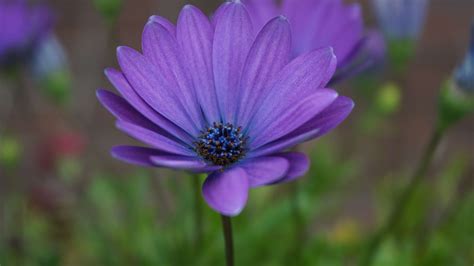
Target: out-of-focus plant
(455, 102)
(10, 151)
(384, 102)
(463, 75)
(457, 96)
(22, 29)
(388, 99)
(50, 69)
(110, 9)
(59, 153)
(402, 22)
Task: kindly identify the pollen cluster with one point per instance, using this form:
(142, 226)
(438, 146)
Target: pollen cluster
(221, 144)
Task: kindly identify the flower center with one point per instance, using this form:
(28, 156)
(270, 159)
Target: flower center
(221, 144)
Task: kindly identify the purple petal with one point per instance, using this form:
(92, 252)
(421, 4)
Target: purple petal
(148, 82)
(346, 33)
(181, 162)
(296, 81)
(282, 144)
(265, 170)
(261, 11)
(218, 13)
(279, 124)
(298, 165)
(317, 24)
(121, 84)
(195, 39)
(135, 155)
(316, 127)
(329, 118)
(307, 19)
(165, 23)
(155, 139)
(232, 40)
(227, 191)
(368, 54)
(162, 49)
(122, 110)
(268, 55)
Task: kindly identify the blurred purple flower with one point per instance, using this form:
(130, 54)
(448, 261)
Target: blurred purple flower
(21, 29)
(322, 23)
(215, 98)
(464, 74)
(401, 19)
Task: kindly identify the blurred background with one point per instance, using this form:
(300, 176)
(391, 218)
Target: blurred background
(65, 201)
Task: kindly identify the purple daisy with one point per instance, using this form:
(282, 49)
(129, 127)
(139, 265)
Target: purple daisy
(325, 23)
(22, 27)
(216, 98)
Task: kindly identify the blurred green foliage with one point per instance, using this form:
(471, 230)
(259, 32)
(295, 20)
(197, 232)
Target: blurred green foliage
(388, 98)
(383, 100)
(10, 151)
(109, 9)
(149, 218)
(400, 52)
(57, 86)
(453, 105)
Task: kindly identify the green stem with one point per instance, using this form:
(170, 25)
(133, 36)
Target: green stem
(295, 205)
(427, 230)
(405, 197)
(294, 254)
(229, 245)
(198, 229)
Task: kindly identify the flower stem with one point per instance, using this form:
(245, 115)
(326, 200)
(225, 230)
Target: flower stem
(229, 245)
(198, 230)
(294, 254)
(405, 197)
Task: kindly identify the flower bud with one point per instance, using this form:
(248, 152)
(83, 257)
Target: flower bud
(388, 99)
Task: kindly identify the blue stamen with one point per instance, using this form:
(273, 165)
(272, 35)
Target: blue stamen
(221, 144)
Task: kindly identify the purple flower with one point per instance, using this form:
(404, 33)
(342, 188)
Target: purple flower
(21, 29)
(401, 19)
(216, 98)
(464, 74)
(322, 23)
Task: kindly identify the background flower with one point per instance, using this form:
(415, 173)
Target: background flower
(21, 29)
(50, 68)
(321, 23)
(214, 98)
(401, 19)
(464, 74)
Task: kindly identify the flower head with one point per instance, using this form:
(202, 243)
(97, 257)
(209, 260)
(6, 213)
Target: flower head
(216, 98)
(464, 74)
(401, 19)
(325, 23)
(21, 29)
